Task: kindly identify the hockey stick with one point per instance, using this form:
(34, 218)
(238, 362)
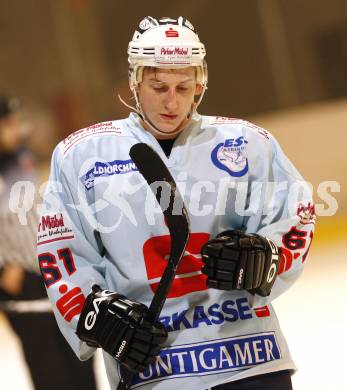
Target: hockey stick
(154, 170)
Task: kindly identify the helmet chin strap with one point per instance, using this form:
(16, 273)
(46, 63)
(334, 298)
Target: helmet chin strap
(156, 131)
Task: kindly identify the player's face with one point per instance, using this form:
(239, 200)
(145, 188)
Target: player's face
(166, 97)
(10, 133)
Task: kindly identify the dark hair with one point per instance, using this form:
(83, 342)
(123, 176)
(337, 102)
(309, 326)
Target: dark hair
(8, 105)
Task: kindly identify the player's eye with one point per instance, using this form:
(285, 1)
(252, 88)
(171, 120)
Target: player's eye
(159, 88)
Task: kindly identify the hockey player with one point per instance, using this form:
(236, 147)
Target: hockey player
(23, 298)
(103, 242)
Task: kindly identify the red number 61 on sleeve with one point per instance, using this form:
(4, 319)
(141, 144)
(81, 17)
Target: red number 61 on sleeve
(49, 267)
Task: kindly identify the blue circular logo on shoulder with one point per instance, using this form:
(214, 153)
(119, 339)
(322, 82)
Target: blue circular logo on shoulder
(230, 156)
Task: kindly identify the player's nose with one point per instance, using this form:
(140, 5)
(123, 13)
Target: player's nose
(171, 102)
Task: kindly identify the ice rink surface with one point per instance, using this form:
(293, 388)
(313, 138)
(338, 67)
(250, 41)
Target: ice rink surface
(312, 314)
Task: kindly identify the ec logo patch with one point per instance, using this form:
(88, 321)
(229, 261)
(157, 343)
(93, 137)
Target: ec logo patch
(230, 156)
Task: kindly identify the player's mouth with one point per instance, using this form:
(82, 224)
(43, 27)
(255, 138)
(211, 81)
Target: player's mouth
(168, 117)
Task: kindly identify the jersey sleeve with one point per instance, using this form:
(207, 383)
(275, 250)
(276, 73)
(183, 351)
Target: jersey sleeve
(69, 255)
(282, 210)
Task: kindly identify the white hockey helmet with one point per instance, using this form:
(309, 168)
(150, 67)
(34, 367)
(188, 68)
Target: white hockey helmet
(170, 43)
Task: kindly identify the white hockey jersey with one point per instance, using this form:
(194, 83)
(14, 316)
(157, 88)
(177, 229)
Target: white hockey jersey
(100, 223)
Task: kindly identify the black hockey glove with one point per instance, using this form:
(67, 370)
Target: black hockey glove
(117, 325)
(235, 260)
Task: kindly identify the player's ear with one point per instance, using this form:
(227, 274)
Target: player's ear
(198, 89)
